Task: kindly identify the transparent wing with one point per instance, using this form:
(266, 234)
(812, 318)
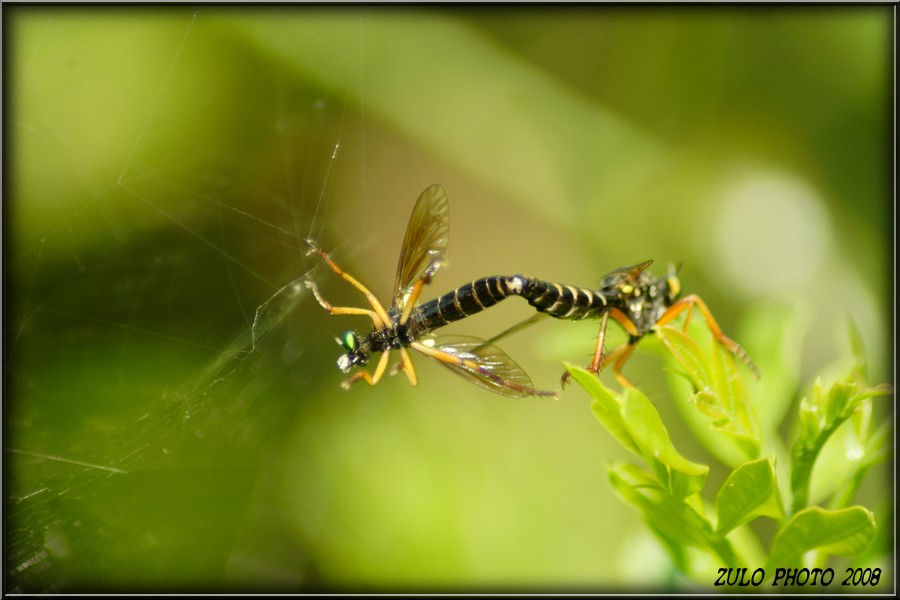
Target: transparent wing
(485, 365)
(629, 274)
(425, 243)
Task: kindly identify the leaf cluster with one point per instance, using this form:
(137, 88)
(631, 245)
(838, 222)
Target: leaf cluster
(668, 489)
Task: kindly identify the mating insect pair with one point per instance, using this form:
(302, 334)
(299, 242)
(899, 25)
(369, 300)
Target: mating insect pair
(632, 297)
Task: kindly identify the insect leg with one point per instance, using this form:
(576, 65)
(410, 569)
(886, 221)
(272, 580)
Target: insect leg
(626, 323)
(376, 305)
(373, 378)
(344, 310)
(598, 353)
(688, 302)
(600, 360)
(411, 300)
(406, 365)
(621, 354)
(518, 326)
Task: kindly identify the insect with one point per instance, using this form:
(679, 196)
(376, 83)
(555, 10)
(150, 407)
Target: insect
(635, 299)
(630, 295)
(407, 325)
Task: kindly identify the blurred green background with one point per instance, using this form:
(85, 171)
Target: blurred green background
(164, 166)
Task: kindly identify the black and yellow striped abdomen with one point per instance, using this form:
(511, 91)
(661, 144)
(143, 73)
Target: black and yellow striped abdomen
(562, 301)
(557, 300)
(463, 302)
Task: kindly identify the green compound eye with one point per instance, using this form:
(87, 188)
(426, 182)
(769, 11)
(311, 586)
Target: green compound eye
(349, 341)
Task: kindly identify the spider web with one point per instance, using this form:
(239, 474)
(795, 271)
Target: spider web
(171, 410)
(173, 419)
(152, 319)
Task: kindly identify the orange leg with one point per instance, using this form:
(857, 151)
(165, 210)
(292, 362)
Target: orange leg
(599, 361)
(344, 310)
(376, 305)
(406, 365)
(379, 317)
(688, 303)
(372, 379)
(620, 355)
(411, 301)
(629, 327)
(598, 352)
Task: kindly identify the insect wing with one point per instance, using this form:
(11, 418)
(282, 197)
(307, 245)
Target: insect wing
(425, 243)
(485, 365)
(625, 274)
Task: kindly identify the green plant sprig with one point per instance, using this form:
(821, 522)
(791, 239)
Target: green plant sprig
(667, 490)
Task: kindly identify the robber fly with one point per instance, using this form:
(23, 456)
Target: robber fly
(635, 299)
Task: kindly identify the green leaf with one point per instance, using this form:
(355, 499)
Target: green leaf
(821, 415)
(605, 407)
(746, 444)
(635, 423)
(647, 429)
(878, 449)
(837, 403)
(742, 424)
(719, 392)
(672, 518)
(750, 491)
(689, 355)
(841, 532)
(810, 419)
(676, 522)
(706, 403)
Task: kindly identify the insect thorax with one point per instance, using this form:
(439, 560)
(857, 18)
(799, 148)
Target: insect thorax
(644, 301)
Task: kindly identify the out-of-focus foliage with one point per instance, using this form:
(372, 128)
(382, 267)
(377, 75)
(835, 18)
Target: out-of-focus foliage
(173, 414)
